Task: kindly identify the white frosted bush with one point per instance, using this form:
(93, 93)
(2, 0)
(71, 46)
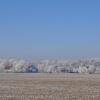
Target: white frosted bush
(41, 68)
(91, 69)
(4, 64)
(82, 69)
(97, 70)
(19, 66)
(50, 69)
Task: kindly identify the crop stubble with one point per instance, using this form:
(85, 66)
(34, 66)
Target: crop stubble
(25, 86)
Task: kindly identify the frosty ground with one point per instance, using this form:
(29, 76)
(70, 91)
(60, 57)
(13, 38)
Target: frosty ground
(46, 86)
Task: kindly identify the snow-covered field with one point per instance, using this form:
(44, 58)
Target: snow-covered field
(46, 86)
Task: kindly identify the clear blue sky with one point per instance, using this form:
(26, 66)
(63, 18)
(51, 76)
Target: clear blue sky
(50, 28)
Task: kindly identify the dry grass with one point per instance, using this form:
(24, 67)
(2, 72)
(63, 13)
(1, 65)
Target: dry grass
(49, 87)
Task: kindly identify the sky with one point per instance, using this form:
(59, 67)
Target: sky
(43, 29)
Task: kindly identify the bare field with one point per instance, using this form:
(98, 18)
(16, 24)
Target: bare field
(25, 86)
